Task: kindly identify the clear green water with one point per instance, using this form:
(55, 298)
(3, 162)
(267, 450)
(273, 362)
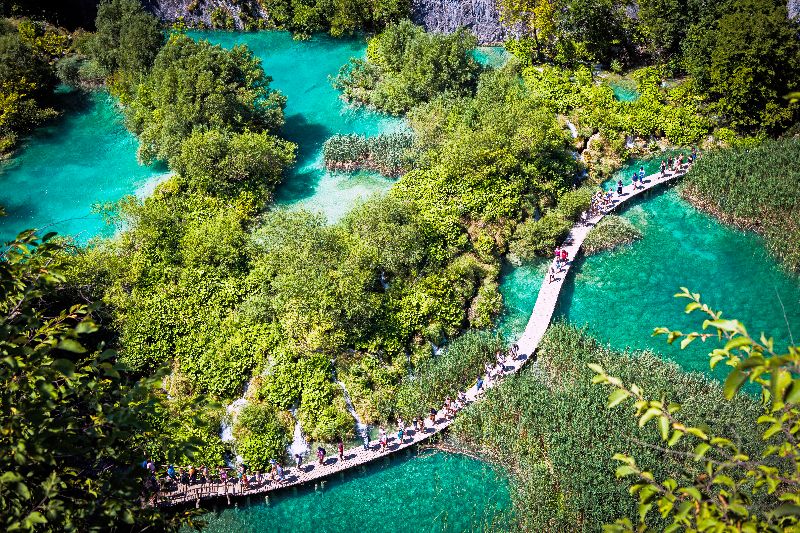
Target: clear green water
(86, 156)
(623, 92)
(620, 296)
(430, 492)
(491, 56)
(314, 112)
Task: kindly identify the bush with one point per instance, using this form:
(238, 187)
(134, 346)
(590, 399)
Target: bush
(227, 164)
(260, 435)
(539, 237)
(573, 203)
(164, 112)
(68, 70)
(611, 232)
(406, 66)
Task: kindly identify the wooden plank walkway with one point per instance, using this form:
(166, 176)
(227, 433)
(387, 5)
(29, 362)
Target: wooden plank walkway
(528, 343)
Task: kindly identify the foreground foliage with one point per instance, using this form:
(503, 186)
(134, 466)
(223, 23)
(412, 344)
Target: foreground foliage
(744, 486)
(548, 425)
(71, 414)
(755, 187)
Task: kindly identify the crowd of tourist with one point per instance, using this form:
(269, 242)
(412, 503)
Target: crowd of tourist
(242, 479)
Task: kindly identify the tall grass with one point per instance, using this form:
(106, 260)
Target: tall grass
(389, 154)
(755, 188)
(455, 370)
(549, 427)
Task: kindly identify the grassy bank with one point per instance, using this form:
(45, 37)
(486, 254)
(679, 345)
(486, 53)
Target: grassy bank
(754, 188)
(550, 428)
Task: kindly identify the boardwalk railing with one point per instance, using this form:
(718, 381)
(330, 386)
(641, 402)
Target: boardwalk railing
(528, 343)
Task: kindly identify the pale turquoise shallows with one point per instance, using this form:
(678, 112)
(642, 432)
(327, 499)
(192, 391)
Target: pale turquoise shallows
(314, 112)
(620, 296)
(84, 157)
(432, 492)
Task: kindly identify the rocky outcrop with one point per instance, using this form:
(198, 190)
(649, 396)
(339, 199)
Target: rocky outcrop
(481, 17)
(226, 14)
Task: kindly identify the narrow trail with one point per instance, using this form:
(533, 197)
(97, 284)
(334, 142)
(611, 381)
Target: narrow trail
(528, 343)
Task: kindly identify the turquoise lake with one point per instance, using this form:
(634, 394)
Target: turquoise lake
(430, 492)
(87, 157)
(84, 157)
(314, 112)
(621, 295)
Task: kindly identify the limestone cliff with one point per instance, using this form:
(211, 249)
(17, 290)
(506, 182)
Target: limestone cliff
(479, 16)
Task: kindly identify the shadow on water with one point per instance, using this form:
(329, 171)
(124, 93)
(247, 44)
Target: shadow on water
(302, 181)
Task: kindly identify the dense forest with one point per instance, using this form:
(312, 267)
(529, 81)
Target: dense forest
(208, 288)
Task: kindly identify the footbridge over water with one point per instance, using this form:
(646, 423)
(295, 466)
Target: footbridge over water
(528, 343)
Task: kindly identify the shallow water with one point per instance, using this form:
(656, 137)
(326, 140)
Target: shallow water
(84, 157)
(429, 492)
(623, 92)
(314, 112)
(620, 296)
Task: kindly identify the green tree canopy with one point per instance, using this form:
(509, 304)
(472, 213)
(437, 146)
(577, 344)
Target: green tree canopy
(70, 412)
(127, 38)
(197, 86)
(746, 61)
(406, 66)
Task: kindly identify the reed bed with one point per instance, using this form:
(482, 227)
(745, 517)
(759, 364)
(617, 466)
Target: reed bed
(389, 154)
(756, 188)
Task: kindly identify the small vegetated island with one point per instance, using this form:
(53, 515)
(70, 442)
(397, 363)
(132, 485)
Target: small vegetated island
(130, 347)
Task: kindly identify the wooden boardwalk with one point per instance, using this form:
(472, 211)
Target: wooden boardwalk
(542, 314)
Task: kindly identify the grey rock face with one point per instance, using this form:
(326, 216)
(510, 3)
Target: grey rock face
(481, 17)
(198, 12)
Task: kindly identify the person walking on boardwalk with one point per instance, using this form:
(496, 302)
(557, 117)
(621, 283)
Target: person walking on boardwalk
(400, 432)
(340, 446)
(298, 460)
(663, 168)
(321, 454)
(557, 253)
(383, 438)
(619, 187)
(365, 440)
(670, 163)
